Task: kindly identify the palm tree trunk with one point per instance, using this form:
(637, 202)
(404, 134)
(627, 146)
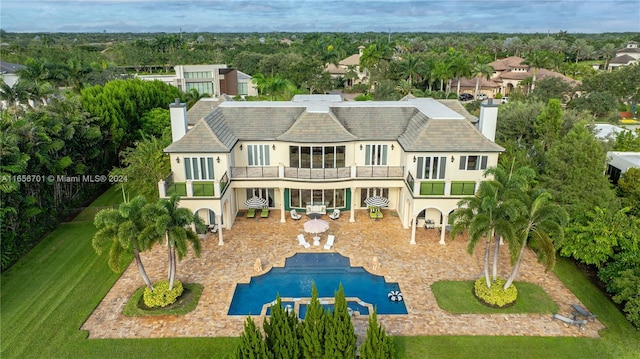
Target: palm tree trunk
(459, 79)
(172, 266)
(143, 273)
(516, 268)
(477, 85)
(486, 263)
(496, 252)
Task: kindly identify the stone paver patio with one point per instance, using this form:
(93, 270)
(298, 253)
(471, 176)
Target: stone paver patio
(414, 267)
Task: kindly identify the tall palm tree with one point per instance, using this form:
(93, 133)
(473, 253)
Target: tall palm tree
(481, 71)
(126, 228)
(539, 223)
(173, 223)
(536, 59)
(411, 68)
(441, 71)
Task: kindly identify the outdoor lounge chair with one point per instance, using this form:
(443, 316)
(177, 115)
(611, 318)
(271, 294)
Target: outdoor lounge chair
(330, 239)
(295, 215)
(579, 310)
(335, 214)
(264, 213)
(578, 323)
(302, 241)
(372, 212)
(251, 213)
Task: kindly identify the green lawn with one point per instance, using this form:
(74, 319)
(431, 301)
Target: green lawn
(457, 297)
(49, 294)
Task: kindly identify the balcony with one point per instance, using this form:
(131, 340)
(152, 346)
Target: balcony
(168, 187)
(282, 172)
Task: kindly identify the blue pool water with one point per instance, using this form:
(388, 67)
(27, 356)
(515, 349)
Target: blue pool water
(327, 270)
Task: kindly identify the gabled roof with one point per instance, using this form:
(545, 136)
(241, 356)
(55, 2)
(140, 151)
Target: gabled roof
(351, 60)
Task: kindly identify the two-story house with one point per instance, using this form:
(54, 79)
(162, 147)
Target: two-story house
(420, 153)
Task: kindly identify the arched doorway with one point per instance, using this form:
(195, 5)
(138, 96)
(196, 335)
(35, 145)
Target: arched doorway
(208, 217)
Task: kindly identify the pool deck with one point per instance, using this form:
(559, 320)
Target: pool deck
(414, 267)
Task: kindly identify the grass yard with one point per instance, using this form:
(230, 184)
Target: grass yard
(457, 297)
(49, 294)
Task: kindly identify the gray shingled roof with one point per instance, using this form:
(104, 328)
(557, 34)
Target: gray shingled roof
(425, 134)
(375, 123)
(322, 122)
(260, 123)
(209, 135)
(202, 108)
(317, 127)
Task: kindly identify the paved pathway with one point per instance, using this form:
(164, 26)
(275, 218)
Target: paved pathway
(414, 267)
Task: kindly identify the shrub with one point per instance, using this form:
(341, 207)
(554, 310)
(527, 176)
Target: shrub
(161, 296)
(495, 296)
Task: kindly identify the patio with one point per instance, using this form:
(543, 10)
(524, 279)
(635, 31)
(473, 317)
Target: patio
(414, 267)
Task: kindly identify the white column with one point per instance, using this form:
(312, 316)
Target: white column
(219, 222)
(189, 185)
(352, 217)
(282, 205)
(216, 188)
(162, 189)
(443, 228)
(413, 230)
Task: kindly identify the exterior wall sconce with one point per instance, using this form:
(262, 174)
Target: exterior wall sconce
(240, 147)
(177, 159)
(452, 159)
(218, 159)
(392, 147)
(273, 147)
(414, 159)
(361, 147)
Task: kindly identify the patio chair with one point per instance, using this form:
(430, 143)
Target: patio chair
(378, 213)
(372, 212)
(295, 215)
(264, 213)
(303, 242)
(330, 239)
(335, 214)
(251, 213)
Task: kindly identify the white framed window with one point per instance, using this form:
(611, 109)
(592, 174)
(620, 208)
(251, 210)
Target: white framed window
(198, 168)
(332, 198)
(375, 155)
(432, 167)
(473, 163)
(258, 155)
(243, 88)
(317, 156)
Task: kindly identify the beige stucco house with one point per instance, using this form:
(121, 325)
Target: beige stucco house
(507, 75)
(422, 154)
(343, 67)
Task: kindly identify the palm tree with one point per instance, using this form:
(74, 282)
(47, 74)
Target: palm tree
(481, 71)
(404, 87)
(411, 68)
(126, 228)
(172, 223)
(608, 52)
(536, 59)
(540, 221)
(441, 72)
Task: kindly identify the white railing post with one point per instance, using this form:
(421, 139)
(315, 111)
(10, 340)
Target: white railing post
(189, 185)
(162, 190)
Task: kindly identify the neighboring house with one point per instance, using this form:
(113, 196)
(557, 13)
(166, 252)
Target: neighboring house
(507, 75)
(9, 72)
(620, 162)
(214, 80)
(605, 131)
(424, 155)
(344, 66)
(626, 56)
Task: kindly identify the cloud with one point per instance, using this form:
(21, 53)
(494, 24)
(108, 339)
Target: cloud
(316, 15)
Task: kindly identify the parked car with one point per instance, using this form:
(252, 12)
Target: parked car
(482, 96)
(466, 97)
(504, 100)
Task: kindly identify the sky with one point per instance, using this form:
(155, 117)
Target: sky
(504, 16)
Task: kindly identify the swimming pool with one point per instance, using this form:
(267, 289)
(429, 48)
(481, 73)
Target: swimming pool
(327, 270)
